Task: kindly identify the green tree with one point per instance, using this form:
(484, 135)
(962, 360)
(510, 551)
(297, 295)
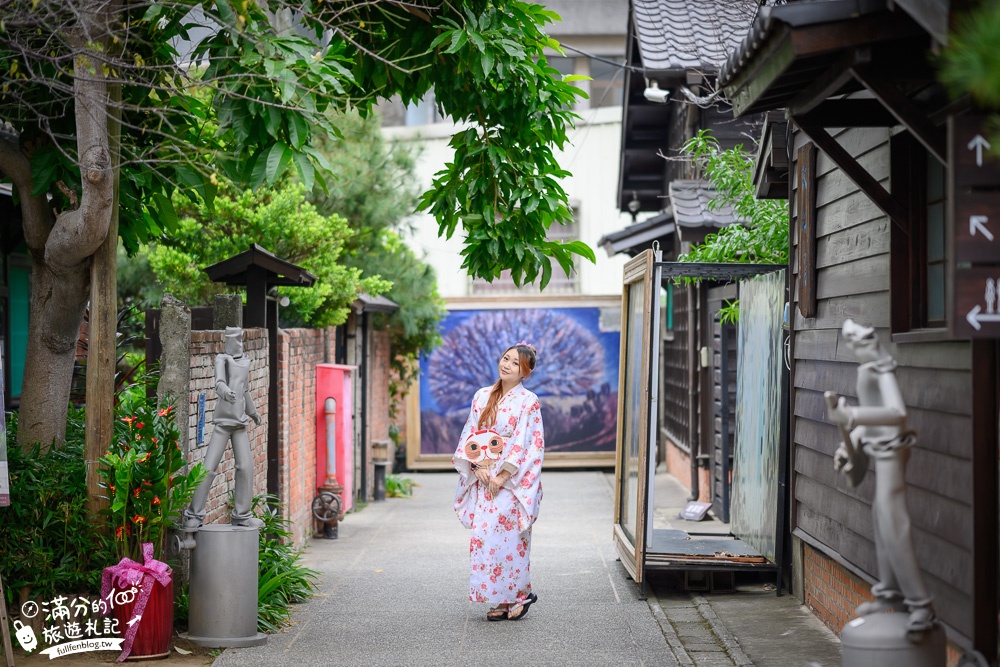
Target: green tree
(375, 189)
(970, 65)
(763, 238)
(124, 101)
(413, 329)
(283, 221)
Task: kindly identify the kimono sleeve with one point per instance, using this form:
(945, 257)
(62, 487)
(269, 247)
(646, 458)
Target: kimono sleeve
(529, 443)
(467, 491)
(527, 449)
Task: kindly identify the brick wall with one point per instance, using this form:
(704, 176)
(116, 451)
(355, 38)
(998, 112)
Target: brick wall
(205, 345)
(679, 465)
(830, 590)
(381, 372)
(832, 593)
(298, 353)
(398, 408)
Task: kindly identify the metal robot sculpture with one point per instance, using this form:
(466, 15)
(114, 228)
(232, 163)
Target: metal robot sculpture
(233, 411)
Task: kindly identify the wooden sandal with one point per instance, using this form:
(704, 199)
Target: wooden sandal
(530, 600)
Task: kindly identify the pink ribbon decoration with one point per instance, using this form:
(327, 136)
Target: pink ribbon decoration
(129, 573)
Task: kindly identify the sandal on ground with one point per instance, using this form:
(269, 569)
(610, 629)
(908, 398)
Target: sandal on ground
(528, 601)
(497, 614)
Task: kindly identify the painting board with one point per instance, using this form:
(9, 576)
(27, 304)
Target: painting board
(577, 339)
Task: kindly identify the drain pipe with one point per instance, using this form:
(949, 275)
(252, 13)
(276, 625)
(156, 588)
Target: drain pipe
(694, 358)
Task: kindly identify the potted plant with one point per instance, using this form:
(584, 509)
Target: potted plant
(146, 492)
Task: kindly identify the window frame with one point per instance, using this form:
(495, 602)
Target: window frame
(908, 287)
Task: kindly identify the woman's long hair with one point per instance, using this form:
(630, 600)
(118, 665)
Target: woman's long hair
(526, 360)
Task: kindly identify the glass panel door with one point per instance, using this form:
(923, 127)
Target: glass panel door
(634, 412)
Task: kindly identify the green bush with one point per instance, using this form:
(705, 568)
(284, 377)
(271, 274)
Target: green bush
(49, 545)
(281, 579)
(398, 487)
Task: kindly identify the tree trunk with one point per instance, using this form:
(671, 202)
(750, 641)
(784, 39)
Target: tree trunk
(61, 253)
(58, 298)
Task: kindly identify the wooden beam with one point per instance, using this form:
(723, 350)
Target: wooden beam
(932, 137)
(828, 83)
(103, 329)
(849, 113)
(854, 171)
(984, 504)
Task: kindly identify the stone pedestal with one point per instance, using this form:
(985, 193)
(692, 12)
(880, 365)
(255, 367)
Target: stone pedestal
(880, 640)
(223, 589)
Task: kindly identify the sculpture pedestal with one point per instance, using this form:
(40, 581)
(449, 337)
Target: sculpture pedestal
(223, 587)
(878, 640)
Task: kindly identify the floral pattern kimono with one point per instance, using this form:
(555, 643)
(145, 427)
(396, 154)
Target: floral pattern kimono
(500, 546)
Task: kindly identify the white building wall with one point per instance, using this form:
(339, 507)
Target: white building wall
(592, 156)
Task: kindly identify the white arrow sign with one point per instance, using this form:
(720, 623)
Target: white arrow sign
(977, 144)
(976, 320)
(978, 223)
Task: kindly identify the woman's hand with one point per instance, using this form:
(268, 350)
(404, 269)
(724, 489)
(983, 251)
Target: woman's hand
(497, 483)
(483, 475)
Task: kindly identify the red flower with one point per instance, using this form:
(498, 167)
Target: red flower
(138, 518)
(163, 412)
(111, 488)
(140, 425)
(135, 492)
(156, 500)
(118, 532)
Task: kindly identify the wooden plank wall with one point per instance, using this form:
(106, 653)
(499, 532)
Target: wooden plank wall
(723, 389)
(853, 263)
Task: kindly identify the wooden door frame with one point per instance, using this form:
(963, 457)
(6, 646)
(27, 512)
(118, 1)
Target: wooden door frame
(640, 268)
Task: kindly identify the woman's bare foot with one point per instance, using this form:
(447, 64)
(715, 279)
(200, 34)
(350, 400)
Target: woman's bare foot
(498, 613)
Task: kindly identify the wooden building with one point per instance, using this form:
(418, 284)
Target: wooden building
(674, 52)
(884, 205)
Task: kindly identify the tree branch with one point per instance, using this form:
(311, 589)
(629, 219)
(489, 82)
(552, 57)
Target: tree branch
(77, 234)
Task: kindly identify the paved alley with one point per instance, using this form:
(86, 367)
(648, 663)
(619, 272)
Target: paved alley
(394, 590)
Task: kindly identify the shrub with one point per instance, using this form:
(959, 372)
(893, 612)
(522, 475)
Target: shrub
(49, 543)
(281, 579)
(398, 487)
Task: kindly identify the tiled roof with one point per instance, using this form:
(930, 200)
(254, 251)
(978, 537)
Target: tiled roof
(678, 35)
(639, 235)
(689, 200)
(769, 19)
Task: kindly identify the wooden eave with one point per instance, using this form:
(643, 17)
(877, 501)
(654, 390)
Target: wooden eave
(237, 269)
(792, 58)
(801, 68)
(645, 132)
(771, 168)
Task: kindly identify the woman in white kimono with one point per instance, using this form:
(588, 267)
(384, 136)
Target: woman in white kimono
(499, 501)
